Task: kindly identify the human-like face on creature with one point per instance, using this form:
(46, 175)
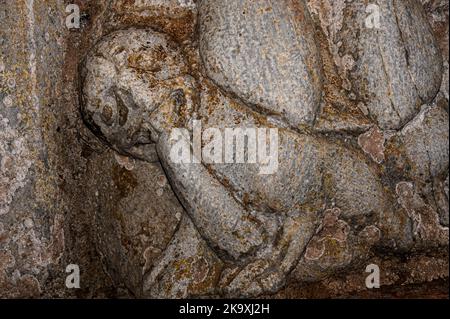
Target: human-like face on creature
(135, 86)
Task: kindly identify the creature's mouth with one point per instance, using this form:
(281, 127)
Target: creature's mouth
(145, 148)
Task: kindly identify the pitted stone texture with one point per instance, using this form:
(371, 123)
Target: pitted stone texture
(330, 174)
(136, 219)
(218, 216)
(442, 200)
(241, 213)
(14, 164)
(308, 166)
(426, 142)
(445, 205)
(426, 225)
(31, 205)
(396, 65)
(297, 172)
(187, 269)
(438, 15)
(423, 145)
(265, 53)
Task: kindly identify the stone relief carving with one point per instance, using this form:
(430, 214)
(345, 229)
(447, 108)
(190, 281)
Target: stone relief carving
(363, 140)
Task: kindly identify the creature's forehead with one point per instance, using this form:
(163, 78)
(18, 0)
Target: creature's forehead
(145, 52)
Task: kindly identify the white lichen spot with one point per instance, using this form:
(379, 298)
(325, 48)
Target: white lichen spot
(347, 62)
(125, 162)
(11, 83)
(150, 254)
(187, 4)
(7, 101)
(28, 223)
(363, 108)
(160, 192)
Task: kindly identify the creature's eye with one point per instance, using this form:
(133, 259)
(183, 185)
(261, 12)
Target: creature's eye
(125, 102)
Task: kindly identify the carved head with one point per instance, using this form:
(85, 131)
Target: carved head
(135, 84)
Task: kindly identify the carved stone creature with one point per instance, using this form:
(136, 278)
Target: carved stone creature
(261, 68)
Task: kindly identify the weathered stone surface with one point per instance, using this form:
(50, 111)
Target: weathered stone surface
(356, 183)
(187, 269)
(437, 13)
(239, 212)
(425, 141)
(265, 53)
(130, 233)
(387, 54)
(31, 215)
(426, 224)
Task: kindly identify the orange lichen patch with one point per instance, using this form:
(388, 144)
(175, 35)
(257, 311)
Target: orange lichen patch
(206, 276)
(372, 143)
(315, 250)
(178, 22)
(331, 240)
(202, 275)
